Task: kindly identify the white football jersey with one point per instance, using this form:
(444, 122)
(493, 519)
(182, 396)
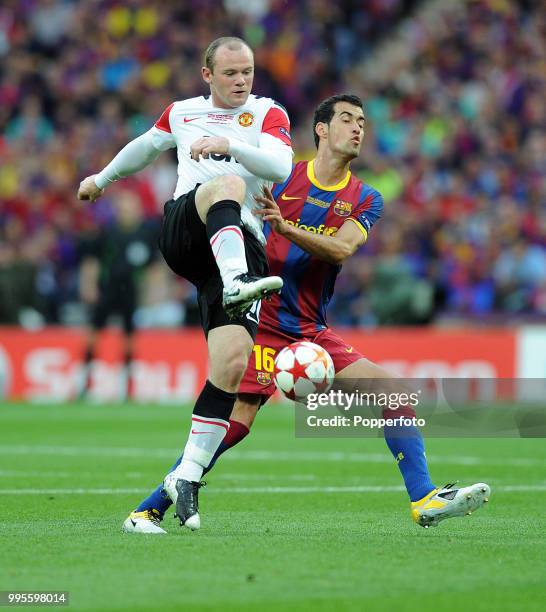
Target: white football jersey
(183, 122)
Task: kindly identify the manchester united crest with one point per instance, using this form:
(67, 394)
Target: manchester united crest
(264, 378)
(342, 208)
(246, 119)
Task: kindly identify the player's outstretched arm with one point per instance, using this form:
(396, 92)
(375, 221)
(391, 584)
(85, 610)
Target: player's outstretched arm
(333, 249)
(134, 156)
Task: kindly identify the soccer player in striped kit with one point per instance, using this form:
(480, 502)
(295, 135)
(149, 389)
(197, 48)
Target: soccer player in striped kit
(316, 219)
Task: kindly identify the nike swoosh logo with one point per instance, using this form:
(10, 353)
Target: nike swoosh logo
(285, 197)
(350, 349)
(186, 120)
(200, 432)
(134, 523)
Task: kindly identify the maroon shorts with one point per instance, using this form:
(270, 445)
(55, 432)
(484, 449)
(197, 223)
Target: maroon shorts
(258, 378)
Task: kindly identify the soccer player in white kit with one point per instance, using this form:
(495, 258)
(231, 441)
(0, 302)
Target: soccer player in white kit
(230, 144)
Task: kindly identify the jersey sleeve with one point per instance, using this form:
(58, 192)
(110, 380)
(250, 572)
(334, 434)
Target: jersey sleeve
(368, 211)
(162, 137)
(163, 123)
(277, 124)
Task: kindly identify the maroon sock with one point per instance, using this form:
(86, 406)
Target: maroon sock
(237, 431)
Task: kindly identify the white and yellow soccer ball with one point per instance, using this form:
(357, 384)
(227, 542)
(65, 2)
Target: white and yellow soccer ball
(303, 368)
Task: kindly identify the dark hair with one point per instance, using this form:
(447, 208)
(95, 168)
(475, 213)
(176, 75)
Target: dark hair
(325, 110)
(232, 42)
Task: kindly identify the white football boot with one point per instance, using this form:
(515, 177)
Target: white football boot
(448, 502)
(246, 289)
(147, 521)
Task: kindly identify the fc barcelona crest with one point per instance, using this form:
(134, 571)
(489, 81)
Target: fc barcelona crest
(342, 208)
(264, 378)
(246, 119)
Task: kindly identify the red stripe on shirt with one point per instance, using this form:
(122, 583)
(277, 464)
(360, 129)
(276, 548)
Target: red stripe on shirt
(364, 205)
(276, 123)
(163, 122)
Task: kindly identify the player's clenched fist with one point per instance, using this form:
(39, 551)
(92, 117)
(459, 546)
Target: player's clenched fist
(206, 145)
(88, 189)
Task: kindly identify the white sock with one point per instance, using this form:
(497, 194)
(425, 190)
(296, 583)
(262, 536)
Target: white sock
(204, 439)
(228, 248)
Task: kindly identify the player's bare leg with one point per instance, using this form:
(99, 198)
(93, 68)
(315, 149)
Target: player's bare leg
(364, 370)
(218, 204)
(229, 349)
(429, 504)
(245, 409)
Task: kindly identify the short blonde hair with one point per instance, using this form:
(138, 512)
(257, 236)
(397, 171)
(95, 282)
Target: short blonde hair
(231, 42)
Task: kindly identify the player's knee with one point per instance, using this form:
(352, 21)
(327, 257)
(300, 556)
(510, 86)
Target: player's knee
(235, 368)
(228, 371)
(226, 187)
(231, 187)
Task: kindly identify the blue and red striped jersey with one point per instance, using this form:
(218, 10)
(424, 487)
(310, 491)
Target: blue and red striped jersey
(300, 309)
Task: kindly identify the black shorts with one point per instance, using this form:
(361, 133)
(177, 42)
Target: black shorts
(115, 302)
(187, 251)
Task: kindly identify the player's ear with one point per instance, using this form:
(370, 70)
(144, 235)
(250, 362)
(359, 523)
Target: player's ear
(206, 73)
(321, 129)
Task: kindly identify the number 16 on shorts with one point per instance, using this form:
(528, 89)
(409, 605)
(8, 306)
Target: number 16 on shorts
(265, 358)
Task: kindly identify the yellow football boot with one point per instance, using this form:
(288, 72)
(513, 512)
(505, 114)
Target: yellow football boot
(147, 521)
(448, 502)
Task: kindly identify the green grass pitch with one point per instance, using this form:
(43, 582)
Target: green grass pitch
(287, 524)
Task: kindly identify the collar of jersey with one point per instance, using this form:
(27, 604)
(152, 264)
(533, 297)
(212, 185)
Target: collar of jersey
(236, 109)
(311, 176)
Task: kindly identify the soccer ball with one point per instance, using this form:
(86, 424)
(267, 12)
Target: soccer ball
(302, 368)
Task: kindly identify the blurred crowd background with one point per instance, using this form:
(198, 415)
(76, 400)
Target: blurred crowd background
(455, 96)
